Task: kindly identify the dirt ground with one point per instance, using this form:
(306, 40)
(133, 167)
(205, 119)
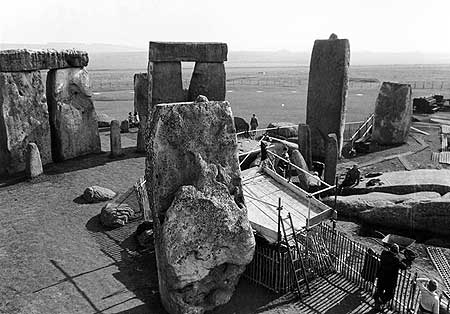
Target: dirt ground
(55, 256)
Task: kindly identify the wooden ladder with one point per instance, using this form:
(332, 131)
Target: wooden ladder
(291, 241)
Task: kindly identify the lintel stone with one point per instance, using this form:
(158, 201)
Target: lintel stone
(187, 51)
(24, 60)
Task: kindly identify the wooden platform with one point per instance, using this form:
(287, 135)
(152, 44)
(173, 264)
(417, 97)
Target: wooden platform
(262, 191)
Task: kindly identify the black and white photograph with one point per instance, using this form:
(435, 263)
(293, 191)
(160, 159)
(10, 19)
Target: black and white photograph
(224, 157)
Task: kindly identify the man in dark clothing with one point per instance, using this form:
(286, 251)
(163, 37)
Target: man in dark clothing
(390, 264)
(253, 125)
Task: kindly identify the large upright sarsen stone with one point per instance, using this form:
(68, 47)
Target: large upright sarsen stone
(72, 114)
(203, 238)
(393, 111)
(327, 92)
(23, 119)
(208, 79)
(141, 106)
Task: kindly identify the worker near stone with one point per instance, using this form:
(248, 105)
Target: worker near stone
(429, 299)
(390, 264)
(352, 177)
(253, 125)
(283, 165)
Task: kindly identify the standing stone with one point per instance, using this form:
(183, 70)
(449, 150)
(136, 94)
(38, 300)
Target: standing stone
(298, 160)
(203, 238)
(124, 126)
(72, 114)
(33, 164)
(393, 111)
(141, 106)
(304, 143)
(115, 140)
(327, 92)
(23, 119)
(331, 159)
(208, 79)
(165, 82)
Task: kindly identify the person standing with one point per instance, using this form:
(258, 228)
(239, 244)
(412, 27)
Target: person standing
(253, 125)
(429, 300)
(390, 264)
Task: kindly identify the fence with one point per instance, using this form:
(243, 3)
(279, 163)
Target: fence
(359, 265)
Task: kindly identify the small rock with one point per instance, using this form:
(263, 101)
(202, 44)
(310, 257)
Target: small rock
(115, 215)
(96, 193)
(33, 164)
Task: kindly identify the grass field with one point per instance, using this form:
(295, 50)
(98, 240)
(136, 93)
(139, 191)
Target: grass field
(279, 93)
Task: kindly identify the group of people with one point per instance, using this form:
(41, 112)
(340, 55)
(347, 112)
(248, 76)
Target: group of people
(133, 120)
(387, 274)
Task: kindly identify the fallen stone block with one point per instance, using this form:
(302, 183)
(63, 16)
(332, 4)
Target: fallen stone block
(393, 112)
(115, 215)
(72, 114)
(33, 163)
(95, 193)
(285, 131)
(327, 92)
(404, 182)
(21, 60)
(187, 51)
(23, 119)
(203, 238)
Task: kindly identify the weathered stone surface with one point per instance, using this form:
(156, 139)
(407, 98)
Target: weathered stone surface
(115, 140)
(141, 106)
(393, 111)
(21, 60)
(23, 119)
(304, 143)
(103, 120)
(353, 205)
(187, 51)
(208, 79)
(422, 211)
(72, 114)
(241, 125)
(115, 215)
(124, 126)
(286, 130)
(327, 92)
(33, 163)
(165, 83)
(331, 159)
(97, 193)
(297, 159)
(404, 182)
(203, 239)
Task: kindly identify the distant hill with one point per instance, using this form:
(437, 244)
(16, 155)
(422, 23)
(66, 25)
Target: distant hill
(107, 56)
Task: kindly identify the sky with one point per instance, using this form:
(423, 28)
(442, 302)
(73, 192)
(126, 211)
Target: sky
(260, 25)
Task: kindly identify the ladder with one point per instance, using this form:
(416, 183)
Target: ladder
(292, 242)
